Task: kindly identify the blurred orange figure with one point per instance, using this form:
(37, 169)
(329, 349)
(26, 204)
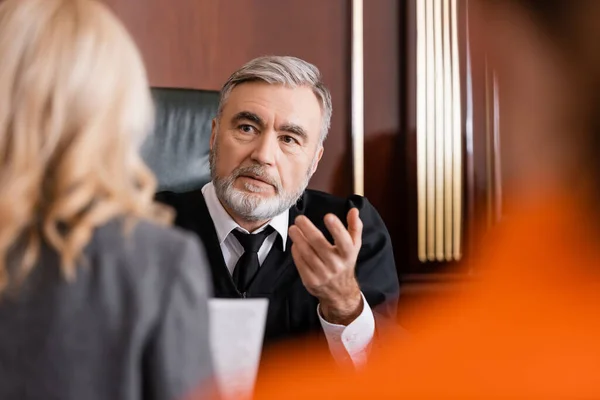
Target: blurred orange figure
(530, 328)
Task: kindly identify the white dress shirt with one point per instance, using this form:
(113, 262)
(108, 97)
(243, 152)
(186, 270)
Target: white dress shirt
(345, 342)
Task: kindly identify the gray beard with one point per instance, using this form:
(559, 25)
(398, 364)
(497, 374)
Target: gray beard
(248, 204)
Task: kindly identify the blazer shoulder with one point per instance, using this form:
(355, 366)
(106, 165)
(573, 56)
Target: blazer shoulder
(147, 243)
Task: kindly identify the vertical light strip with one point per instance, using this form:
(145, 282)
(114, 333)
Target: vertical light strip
(457, 136)
(439, 132)
(448, 134)
(421, 130)
(358, 129)
(497, 154)
(430, 157)
(469, 155)
(489, 150)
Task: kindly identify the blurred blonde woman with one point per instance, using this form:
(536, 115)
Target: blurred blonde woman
(97, 299)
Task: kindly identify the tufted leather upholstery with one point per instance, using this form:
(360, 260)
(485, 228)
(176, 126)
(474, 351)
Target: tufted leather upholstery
(177, 151)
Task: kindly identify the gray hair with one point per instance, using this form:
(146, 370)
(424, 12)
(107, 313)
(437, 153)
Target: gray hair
(289, 71)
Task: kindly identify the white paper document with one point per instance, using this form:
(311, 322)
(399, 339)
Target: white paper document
(237, 329)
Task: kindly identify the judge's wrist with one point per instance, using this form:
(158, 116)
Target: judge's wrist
(342, 311)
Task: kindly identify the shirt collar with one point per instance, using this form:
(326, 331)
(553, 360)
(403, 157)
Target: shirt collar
(224, 224)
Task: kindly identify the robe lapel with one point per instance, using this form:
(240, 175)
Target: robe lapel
(278, 270)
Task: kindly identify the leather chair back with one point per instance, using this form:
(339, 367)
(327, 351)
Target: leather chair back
(177, 151)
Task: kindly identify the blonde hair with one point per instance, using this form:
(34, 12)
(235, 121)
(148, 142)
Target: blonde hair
(75, 106)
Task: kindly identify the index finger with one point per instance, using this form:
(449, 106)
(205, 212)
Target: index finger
(314, 237)
(355, 226)
(341, 236)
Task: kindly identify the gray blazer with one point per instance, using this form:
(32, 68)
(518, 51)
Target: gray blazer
(132, 325)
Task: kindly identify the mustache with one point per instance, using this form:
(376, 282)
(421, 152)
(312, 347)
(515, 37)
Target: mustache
(257, 171)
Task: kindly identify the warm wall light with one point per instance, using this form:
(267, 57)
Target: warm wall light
(492, 140)
(457, 192)
(422, 76)
(357, 89)
(439, 132)
(448, 141)
(430, 128)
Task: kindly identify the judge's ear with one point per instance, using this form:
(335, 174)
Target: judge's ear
(319, 154)
(213, 132)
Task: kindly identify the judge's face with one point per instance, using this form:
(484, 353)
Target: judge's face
(265, 146)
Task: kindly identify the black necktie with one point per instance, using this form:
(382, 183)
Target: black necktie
(247, 266)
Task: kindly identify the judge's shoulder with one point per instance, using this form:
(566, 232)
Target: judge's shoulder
(315, 204)
(176, 197)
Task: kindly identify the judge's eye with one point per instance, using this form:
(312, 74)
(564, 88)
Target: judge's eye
(287, 139)
(245, 128)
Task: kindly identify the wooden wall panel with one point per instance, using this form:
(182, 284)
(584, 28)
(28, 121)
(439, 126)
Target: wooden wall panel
(387, 148)
(385, 134)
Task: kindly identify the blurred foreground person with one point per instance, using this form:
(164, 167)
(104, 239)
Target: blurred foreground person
(97, 301)
(530, 328)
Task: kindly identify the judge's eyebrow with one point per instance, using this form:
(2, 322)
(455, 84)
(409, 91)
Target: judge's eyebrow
(248, 116)
(286, 127)
(294, 129)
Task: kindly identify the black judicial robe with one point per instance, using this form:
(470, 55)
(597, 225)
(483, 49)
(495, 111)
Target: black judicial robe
(292, 310)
